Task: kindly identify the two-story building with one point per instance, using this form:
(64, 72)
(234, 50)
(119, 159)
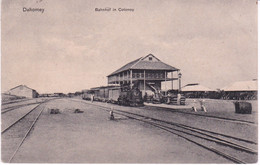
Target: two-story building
(147, 73)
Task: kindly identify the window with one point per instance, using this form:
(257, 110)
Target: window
(160, 75)
(150, 58)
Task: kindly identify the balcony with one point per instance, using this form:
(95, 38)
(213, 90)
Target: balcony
(138, 76)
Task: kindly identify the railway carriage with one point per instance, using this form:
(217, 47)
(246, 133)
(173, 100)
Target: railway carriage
(86, 94)
(115, 94)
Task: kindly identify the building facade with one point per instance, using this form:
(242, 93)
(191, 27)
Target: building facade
(147, 73)
(23, 90)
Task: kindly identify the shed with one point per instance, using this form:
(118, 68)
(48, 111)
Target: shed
(23, 90)
(195, 88)
(242, 86)
(241, 90)
(196, 91)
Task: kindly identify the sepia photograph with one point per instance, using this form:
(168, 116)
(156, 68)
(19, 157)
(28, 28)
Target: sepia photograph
(139, 82)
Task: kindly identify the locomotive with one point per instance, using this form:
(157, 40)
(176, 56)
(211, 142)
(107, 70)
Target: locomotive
(122, 95)
(130, 97)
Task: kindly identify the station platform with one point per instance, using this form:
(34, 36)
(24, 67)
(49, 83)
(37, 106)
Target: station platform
(177, 107)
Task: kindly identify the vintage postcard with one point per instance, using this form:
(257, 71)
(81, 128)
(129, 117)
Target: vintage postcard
(117, 81)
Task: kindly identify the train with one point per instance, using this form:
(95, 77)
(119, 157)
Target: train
(124, 95)
(121, 95)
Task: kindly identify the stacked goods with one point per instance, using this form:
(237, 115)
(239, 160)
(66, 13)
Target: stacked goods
(164, 99)
(182, 101)
(243, 107)
(173, 100)
(78, 111)
(176, 100)
(55, 111)
(148, 99)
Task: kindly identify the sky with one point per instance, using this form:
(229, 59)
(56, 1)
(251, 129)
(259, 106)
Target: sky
(70, 46)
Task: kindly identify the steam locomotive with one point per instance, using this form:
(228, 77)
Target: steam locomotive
(130, 97)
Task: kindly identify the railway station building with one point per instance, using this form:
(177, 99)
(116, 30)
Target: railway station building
(147, 73)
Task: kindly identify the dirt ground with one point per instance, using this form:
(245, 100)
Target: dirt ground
(237, 129)
(225, 108)
(90, 137)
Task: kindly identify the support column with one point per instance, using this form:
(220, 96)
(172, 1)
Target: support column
(144, 81)
(131, 78)
(179, 79)
(123, 77)
(165, 82)
(127, 79)
(172, 79)
(180, 85)
(119, 78)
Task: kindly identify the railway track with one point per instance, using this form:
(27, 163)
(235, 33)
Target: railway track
(13, 107)
(14, 135)
(17, 106)
(15, 101)
(239, 150)
(18, 120)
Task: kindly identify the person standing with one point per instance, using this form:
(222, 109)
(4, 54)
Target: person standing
(179, 99)
(202, 104)
(92, 98)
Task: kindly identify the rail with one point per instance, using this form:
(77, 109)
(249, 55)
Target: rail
(183, 131)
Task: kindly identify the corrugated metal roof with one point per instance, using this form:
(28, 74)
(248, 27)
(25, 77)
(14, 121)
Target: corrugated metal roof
(125, 67)
(24, 86)
(153, 66)
(242, 86)
(145, 65)
(196, 88)
(108, 86)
